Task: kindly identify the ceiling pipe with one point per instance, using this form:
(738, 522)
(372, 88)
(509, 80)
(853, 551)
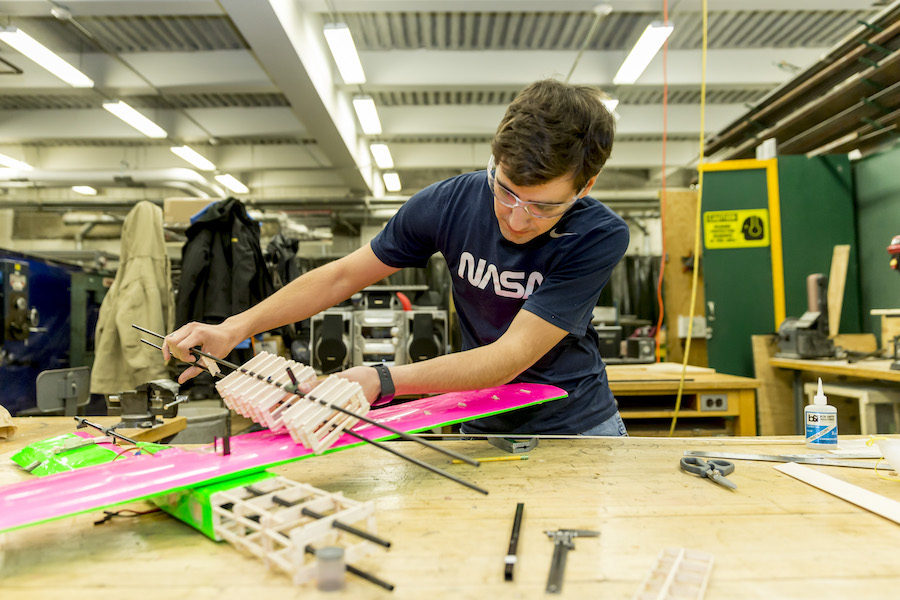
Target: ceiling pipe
(183, 179)
(66, 205)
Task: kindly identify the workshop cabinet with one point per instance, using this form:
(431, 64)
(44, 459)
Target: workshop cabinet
(767, 225)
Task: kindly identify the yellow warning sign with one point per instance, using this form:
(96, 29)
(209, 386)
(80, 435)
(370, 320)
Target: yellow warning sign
(736, 228)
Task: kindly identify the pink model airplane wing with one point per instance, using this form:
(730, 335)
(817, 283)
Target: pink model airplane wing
(141, 477)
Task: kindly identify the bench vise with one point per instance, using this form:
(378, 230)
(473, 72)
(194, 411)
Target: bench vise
(140, 407)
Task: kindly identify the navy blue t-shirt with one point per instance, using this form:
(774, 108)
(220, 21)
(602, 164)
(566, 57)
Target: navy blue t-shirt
(557, 276)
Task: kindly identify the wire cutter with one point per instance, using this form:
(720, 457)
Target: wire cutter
(714, 469)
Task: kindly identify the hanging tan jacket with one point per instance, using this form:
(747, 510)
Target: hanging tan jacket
(140, 294)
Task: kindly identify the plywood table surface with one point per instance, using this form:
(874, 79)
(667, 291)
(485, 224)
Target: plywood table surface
(774, 537)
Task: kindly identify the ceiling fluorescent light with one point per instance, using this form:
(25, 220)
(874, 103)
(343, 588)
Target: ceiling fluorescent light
(85, 190)
(8, 161)
(135, 119)
(344, 51)
(643, 52)
(610, 103)
(392, 182)
(232, 184)
(193, 157)
(367, 115)
(382, 155)
(43, 56)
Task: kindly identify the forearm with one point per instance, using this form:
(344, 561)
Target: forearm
(473, 369)
(478, 368)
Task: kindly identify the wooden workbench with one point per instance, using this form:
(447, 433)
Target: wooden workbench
(870, 370)
(774, 537)
(863, 369)
(646, 395)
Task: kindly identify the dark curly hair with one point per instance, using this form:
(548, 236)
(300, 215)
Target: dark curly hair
(553, 129)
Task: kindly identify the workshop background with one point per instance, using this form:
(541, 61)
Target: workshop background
(798, 107)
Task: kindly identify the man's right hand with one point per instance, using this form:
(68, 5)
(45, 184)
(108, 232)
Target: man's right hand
(217, 340)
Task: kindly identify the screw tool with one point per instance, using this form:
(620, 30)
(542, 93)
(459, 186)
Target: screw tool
(563, 541)
(82, 422)
(511, 558)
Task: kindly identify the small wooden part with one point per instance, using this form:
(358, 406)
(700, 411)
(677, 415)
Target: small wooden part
(678, 573)
(856, 342)
(876, 503)
(890, 326)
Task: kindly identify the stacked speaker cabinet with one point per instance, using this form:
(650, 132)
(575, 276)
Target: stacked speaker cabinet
(397, 337)
(331, 344)
(344, 338)
(426, 334)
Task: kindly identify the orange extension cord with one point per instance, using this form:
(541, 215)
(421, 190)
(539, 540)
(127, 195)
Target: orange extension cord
(662, 196)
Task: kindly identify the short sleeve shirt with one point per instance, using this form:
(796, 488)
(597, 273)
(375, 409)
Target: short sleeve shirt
(557, 276)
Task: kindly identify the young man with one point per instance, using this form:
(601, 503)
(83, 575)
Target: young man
(529, 253)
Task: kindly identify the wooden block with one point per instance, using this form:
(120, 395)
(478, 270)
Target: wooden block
(890, 328)
(168, 428)
(836, 281)
(774, 398)
(857, 342)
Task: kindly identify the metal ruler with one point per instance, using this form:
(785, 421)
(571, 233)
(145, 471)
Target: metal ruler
(806, 459)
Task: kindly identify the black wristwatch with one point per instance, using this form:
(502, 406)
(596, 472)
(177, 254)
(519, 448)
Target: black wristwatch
(387, 384)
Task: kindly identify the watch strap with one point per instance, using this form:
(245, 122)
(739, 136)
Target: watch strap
(387, 384)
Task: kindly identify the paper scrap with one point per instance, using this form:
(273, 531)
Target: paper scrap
(7, 428)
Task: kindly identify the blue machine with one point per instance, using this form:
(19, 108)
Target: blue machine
(40, 314)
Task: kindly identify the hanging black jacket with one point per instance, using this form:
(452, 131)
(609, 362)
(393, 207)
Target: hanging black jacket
(280, 256)
(222, 269)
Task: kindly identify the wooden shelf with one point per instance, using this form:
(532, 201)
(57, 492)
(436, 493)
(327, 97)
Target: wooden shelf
(646, 395)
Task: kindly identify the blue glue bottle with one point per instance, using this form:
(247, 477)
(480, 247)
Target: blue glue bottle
(821, 422)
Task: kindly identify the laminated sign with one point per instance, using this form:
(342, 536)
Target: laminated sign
(736, 228)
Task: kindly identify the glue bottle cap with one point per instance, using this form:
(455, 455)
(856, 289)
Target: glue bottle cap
(820, 398)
